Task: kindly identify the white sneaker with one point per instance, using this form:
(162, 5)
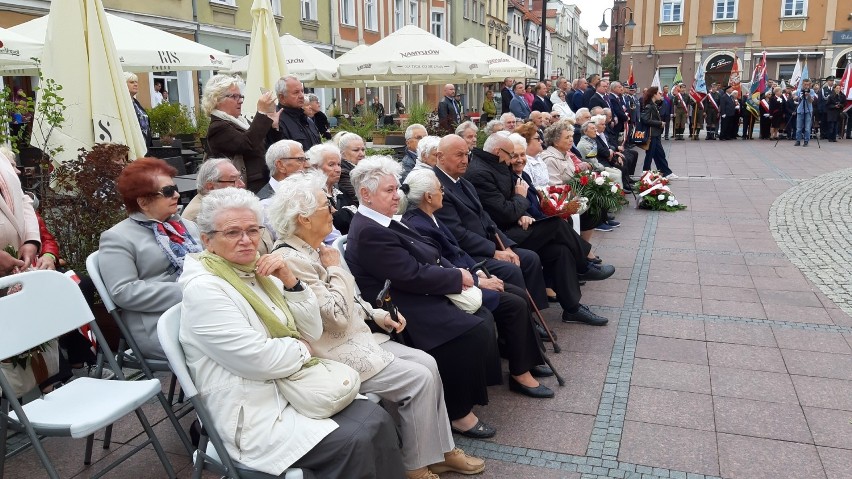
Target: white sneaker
(672, 176)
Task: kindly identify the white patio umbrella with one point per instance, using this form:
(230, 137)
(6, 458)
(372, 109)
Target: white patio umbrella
(17, 51)
(142, 48)
(499, 64)
(410, 54)
(79, 55)
(306, 62)
(266, 57)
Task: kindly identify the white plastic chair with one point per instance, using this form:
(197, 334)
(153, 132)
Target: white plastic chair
(209, 455)
(132, 358)
(47, 306)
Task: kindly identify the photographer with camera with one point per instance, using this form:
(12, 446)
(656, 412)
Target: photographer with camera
(804, 113)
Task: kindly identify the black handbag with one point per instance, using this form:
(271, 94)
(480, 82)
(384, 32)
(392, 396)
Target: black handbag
(639, 135)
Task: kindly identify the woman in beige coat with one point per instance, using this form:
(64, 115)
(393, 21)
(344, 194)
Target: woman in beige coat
(406, 378)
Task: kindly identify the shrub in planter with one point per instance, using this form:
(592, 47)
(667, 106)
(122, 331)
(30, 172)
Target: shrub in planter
(170, 119)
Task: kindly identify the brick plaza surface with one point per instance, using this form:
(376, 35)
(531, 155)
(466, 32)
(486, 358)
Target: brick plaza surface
(728, 352)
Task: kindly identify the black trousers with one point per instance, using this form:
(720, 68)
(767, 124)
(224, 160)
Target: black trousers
(562, 253)
(529, 275)
(515, 328)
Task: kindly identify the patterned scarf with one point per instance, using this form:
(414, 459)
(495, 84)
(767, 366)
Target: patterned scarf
(142, 116)
(173, 239)
(240, 122)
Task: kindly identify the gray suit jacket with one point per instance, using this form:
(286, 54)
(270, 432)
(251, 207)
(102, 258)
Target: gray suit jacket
(140, 279)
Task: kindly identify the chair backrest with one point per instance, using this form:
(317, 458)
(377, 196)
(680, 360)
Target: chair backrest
(340, 244)
(48, 305)
(168, 331)
(94, 271)
(177, 163)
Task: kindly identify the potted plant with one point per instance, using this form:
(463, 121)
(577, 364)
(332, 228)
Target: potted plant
(170, 119)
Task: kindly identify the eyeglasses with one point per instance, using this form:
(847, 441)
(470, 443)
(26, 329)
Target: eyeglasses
(327, 205)
(240, 179)
(167, 191)
(235, 96)
(236, 234)
(300, 159)
(511, 155)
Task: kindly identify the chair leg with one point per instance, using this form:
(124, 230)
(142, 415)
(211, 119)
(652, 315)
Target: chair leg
(87, 456)
(107, 436)
(156, 442)
(172, 386)
(198, 463)
(174, 420)
(181, 397)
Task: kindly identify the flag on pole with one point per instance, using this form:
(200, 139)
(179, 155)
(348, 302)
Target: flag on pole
(783, 85)
(656, 81)
(757, 86)
(678, 77)
(630, 79)
(805, 76)
(699, 87)
(797, 74)
(846, 85)
(734, 81)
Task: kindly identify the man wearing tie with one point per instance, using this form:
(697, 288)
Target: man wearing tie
(519, 106)
(448, 110)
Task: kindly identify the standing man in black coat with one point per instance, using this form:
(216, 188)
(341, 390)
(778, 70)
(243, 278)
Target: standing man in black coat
(506, 94)
(591, 88)
(728, 106)
(293, 124)
(541, 102)
(448, 111)
(599, 98)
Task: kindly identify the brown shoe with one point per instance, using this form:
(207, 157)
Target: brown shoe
(424, 473)
(457, 461)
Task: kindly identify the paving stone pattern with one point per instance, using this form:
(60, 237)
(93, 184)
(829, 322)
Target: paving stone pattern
(728, 352)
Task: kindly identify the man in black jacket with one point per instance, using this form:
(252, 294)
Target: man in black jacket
(561, 250)
(728, 109)
(599, 97)
(448, 110)
(506, 94)
(293, 124)
(541, 102)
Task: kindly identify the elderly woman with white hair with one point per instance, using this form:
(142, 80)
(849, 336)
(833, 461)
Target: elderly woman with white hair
(380, 249)
(427, 153)
(231, 135)
(493, 126)
(325, 157)
(468, 131)
(133, 87)
(593, 150)
(247, 322)
(406, 378)
(352, 150)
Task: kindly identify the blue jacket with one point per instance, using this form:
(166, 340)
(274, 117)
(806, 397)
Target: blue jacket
(519, 107)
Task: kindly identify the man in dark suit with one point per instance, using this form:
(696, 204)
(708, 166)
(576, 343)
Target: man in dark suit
(591, 88)
(448, 111)
(283, 158)
(576, 100)
(541, 102)
(618, 107)
(519, 106)
(599, 97)
(728, 108)
(506, 94)
(293, 124)
(475, 231)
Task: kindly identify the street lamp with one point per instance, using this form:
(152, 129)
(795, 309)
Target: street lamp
(618, 15)
(650, 53)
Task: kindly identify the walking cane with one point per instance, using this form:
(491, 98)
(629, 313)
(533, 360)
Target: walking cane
(383, 300)
(501, 247)
(481, 266)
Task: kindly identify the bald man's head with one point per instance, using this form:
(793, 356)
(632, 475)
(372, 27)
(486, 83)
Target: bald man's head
(453, 156)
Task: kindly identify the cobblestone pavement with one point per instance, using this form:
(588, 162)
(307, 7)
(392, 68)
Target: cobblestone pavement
(728, 352)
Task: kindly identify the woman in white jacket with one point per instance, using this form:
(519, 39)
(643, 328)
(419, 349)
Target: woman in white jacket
(233, 301)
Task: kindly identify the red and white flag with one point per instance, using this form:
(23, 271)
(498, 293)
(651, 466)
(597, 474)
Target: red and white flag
(846, 85)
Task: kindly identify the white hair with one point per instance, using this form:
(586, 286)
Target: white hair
(296, 196)
(347, 138)
(493, 140)
(218, 201)
(409, 132)
(278, 150)
(370, 171)
(426, 146)
(505, 116)
(598, 119)
(517, 140)
(316, 155)
(464, 126)
(209, 173)
(335, 140)
(216, 88)
(130, 76)
(281, 84)
(489, 127)
(419, 183)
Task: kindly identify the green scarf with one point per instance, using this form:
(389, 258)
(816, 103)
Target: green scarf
(226, 270)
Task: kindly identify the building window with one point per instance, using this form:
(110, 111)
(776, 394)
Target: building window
(399, 13)
(347, 12)
(371, 21)
(473, 12)
(232, 3)
(413, 12)
(438, 24)
(309, 10)
(785, 71)
(482, 13)
(667, 75)
(726, 10)
(671, 11)
(794, 8)
(466, 8)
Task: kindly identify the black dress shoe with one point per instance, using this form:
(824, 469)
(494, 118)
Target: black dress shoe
(480, 430)
(541, 371)
(541, 391)
(584, 315)
(597, 272)
(542, 333)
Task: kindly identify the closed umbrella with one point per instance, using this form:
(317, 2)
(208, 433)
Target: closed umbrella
(266, 57)
(79, 55)
(142, 48)
(411, 54)
(310, 65)
(17, 51)
(499, 64)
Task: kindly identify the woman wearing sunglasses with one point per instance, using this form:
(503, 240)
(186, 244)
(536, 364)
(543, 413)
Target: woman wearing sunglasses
(141, 257)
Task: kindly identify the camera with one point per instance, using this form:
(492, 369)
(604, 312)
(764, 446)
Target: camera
(806, 90)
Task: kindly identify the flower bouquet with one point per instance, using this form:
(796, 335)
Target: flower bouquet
(655, 194)
(557, 200)
(604, 194)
